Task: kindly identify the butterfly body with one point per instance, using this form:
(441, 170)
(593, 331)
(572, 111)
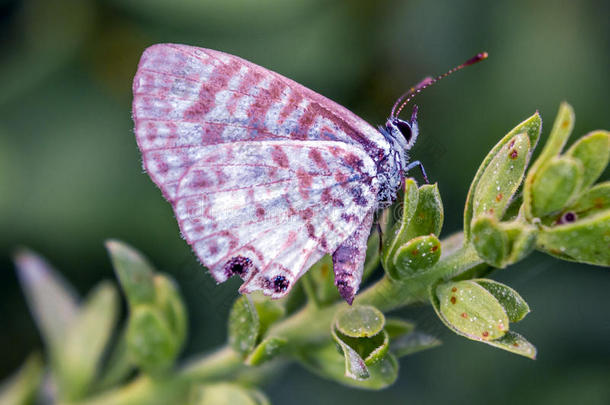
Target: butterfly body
(264, 175)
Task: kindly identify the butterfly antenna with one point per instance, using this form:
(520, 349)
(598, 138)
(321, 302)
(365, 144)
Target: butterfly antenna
(428, 81)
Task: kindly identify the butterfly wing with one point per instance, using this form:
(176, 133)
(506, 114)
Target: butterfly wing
(206, 121)
(186, 98)
(268, 210)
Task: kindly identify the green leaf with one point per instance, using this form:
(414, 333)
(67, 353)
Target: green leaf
(355, 367)
(502, 177)
(516, 308)
(226, 394)
(268, 310)
(85, 341)
(592, 202)
(593, 152)
(151, 343)
(531, 127)
(562, 128)
(168, 299)
(319, 283)
(244, 325)
(586, 240)
(134, 272)
(428, 217)
(415, 256)
(358, 330)
(118, 367)
(266, 350)
(399, 233)
(490, 241)
(521, 239)
(564, 122)
(370, 349)
(555, 185)
(514, 343)
(422, 215)
(398, 327)
(21, 388)
(371, 262)
(412, 343)
(360, 321)
(51, 299)
(327, 362)
(470, 310)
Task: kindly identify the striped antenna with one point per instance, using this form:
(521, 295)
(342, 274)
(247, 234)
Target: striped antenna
(428, 81)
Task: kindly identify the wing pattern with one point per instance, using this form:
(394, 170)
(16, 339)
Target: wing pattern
(249, 209)
(265, 176)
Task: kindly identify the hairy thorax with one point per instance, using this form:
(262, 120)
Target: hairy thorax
(390, 172)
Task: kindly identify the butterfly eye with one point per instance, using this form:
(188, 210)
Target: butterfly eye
(404, 128)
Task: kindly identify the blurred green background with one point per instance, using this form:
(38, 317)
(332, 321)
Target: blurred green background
(70, 171)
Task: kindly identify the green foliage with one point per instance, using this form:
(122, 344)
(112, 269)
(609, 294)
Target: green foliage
(21, 388)
(412, 245)
(560, 211)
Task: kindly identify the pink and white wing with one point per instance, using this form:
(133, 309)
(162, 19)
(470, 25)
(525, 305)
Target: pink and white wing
(268, 210)
(187, 98)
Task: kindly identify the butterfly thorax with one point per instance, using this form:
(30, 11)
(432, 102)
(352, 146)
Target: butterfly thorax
(390, 169)
(400, 136)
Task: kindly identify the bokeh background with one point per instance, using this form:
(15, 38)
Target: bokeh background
(70, 172)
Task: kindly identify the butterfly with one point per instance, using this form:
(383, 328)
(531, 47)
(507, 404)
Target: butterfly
(265, 176)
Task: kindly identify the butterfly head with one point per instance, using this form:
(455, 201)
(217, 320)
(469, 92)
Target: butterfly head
(404, 132)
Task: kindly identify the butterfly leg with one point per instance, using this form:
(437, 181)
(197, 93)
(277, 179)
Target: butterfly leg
(348, 259)
(417, 163)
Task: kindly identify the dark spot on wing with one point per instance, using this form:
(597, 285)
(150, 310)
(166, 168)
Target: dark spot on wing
(280, 284)
(239, 265)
